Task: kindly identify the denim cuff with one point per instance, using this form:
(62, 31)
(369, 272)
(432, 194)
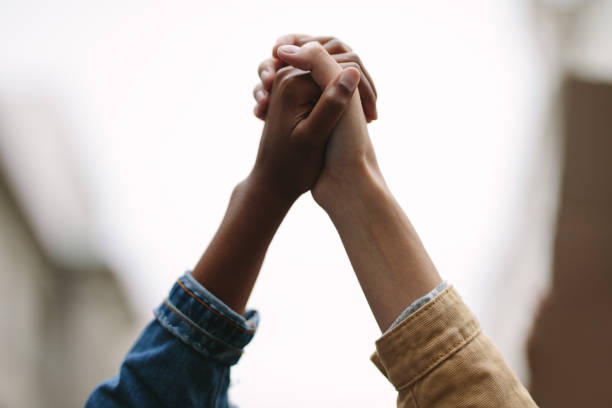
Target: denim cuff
(204, 322)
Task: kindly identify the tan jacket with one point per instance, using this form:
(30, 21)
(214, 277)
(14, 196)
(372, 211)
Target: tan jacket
(438, 357)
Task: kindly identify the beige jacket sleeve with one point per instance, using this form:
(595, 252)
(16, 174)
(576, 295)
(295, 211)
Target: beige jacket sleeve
(438, 357)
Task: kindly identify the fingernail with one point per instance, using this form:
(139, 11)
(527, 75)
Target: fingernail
(265, 74)
(259, 95)
(289, 49)
(349, 80)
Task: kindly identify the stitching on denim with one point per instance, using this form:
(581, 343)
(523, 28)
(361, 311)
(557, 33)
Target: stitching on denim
(176, 330)
(197, 346)
(199, 329)
(173, 308)
(437, 360)
(396, 332)
(206, 305)
(184, 318)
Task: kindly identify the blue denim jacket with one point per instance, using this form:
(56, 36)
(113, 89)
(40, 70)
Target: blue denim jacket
(183, 357)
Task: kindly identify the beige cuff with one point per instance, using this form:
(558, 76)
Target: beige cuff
(425, 339)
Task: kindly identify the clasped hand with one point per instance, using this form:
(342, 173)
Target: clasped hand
(315, 97)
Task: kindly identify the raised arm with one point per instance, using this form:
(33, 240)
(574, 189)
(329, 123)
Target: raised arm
(435, 355)
(389, 260)
(288, 163)
(183, 357)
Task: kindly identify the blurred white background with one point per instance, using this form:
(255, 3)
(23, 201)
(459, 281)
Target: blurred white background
(155, 108)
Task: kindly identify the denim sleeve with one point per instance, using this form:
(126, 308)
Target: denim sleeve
(183, 357)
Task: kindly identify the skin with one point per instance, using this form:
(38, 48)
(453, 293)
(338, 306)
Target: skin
(324, 147)
(385, 251)
(298, 123)
(342, 53)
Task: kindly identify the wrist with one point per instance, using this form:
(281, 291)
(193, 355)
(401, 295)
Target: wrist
(356, 186)
(229, 266)
(260, 193)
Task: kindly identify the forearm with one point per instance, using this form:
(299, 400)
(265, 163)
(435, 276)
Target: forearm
(436, 356)
(385, 251)
(183, 357)
(230, 265)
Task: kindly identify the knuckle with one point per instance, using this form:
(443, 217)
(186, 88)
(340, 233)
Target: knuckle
(336, 98)
(314, 48)
(300, 135)
(268, 66)
(337, 45)
(282, 76)
(353, 56)
(263, 66)
(290, 82)
(294, 85)
(299, 41)
(355, 65)
(256, 89)
(290, 85)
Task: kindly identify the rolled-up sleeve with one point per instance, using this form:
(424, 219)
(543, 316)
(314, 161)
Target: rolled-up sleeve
(205, 323)
(439, 357)
(183, 357)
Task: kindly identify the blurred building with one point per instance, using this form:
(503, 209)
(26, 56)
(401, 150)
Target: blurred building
(569, 346)
(64, 322)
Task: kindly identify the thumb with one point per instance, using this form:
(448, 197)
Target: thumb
(332, 104)
(311, 57)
